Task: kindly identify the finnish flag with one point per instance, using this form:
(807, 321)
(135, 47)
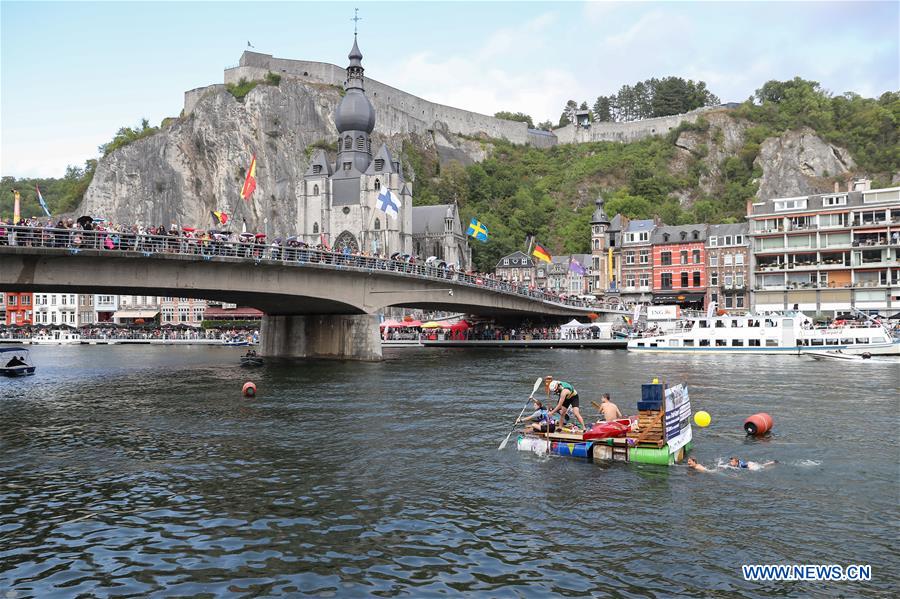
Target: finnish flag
(389, 203)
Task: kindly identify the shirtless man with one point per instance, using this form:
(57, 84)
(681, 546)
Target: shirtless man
(609, 410)
(692, 463)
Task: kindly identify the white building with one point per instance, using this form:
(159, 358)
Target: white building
(56, 309)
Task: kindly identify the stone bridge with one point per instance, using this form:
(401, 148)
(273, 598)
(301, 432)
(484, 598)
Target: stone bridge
(317, 303)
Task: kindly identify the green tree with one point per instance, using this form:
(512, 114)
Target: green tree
(515, 116)
(602, 112)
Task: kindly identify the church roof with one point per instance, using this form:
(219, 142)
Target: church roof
(387, 165)
(319, 159)
(429, 219)
(355, 55)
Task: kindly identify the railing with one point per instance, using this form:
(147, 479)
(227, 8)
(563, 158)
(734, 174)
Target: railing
(252, 250)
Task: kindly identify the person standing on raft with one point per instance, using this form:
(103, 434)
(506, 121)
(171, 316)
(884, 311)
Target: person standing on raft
(568, 398)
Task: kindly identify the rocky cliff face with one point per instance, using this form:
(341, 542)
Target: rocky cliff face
(798, 163)
(198, 163)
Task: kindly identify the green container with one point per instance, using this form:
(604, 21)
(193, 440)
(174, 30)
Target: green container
(651, 455)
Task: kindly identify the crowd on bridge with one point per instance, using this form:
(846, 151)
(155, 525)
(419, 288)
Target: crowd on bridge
(87, 233)
(111, 332)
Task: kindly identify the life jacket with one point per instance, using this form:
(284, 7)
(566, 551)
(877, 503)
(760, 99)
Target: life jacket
(564, 385)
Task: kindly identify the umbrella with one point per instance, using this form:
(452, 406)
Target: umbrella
(395, 255)
(279, 240)
(260, 235)
(84, 221)
(431, 325)
(411, 323)
(431, 259)
(459, 325)
(188, 229)
(390, 323)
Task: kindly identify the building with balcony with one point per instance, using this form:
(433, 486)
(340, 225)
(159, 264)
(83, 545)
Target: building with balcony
(679, 265)
(105, 307)
(827, 253)
(635, 251)
(137, 309)
(728, 267)
(55, 309)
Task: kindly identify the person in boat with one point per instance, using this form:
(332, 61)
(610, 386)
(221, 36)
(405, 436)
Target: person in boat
(738, 464)
(609, 410)
(695, 465)
(568, 398)
(541, 421)
(16, 361)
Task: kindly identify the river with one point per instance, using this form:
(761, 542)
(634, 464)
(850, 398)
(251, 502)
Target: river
(136, 471)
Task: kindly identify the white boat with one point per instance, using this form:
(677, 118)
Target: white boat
(15, 361)
(772, 333)
(57, 337)
(836, 355)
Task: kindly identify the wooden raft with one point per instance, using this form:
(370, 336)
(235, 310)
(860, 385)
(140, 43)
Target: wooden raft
(651, 427)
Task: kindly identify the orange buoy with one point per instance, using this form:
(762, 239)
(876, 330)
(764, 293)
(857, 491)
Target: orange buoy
(758, 424)
(249, 389)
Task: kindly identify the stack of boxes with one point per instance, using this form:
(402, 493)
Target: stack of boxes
(651, 414)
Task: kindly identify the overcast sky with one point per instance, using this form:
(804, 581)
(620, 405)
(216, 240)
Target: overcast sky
(72, 73)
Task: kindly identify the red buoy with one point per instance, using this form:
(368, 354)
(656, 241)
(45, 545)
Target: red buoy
(758, 424)
(249, 389)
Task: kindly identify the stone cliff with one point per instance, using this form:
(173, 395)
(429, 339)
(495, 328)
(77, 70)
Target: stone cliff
(198, 162)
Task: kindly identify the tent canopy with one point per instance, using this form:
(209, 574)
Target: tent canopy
(574, 324)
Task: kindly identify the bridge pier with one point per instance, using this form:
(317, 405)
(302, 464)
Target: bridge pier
(341, 337)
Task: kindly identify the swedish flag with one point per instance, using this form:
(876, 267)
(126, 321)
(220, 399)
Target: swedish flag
(478, 230)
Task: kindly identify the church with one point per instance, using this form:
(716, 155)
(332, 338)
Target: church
(363, 202)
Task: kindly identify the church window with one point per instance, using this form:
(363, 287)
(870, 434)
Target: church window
(346, 242)
(348, 143)
(315, 227)
(377, 184)
(360, 143)
(315, 190)
(379, 164)
(377, 224)
(346, 210)
(317, 169)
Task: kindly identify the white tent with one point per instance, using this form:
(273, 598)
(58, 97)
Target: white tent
(571, 327)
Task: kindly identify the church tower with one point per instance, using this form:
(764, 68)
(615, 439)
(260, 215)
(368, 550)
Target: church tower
(599, 249)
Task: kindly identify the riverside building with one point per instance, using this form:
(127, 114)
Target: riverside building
(728, 267)
(826, 253)
(679, 265)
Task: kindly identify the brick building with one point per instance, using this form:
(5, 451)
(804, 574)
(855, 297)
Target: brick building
(728, 266)
(679, 265)
(19, 308)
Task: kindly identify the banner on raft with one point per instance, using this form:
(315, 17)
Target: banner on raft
(678, 417)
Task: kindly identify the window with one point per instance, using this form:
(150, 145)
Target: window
(377, 224)
(361, 143)
(696, 256)
(738, 240)
(684, 256)
(713, 242)
(629, 257)
(726, 260)
(13, 300)
(739, 281)
(752, 342)
(348, 143)
(739, 302)
(645, 280)
(644, 236)
(666, 280)
(714, 279)
(714, 297)
(797, 204)
(317, 169)
(721, 343)
(379, 164)
(696, 278)
(714, 260)
(347, 166)
(728, 300)
(837, 200)
(506, 262)
(315, 227)
(315, 190)
(629, 280)
(727, 281)
(645, 256)
(684, 279)
(739, 259)
(665, 258)
(377, 184)
(737, 343)
(704, 343)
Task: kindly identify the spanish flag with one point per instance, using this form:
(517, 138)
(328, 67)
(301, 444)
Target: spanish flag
(221, 217)
(250, 181)
(540, 253)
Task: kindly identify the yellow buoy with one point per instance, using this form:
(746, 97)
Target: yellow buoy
(702, 419)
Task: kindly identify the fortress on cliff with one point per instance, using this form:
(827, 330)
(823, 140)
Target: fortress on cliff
(402, 112)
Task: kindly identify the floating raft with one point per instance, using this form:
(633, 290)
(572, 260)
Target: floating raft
(663, 436)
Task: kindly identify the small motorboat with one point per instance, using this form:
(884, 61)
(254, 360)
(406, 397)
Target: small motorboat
(251, 359)
(837, 355)
(15, 361)
(235, 342)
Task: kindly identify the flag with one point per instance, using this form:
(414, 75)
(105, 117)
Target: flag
(576, 267)
(540, 253)
(41, 200)
(221, 217)
(324, 241)
(16, 199)
(250, 181)
(478, 230)
(387, 203)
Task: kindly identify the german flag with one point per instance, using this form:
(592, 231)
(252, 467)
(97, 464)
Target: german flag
(250, 181)
(541, 254)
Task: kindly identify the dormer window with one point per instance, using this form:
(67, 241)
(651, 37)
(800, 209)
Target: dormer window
(696, 234)
(665, 237)
(379, 164)
(684, 235)
(317, 169)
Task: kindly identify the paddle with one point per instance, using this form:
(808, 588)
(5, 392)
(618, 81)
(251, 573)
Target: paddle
(537, 384)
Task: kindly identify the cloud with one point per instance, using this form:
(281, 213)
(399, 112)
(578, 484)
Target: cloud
(528, 35)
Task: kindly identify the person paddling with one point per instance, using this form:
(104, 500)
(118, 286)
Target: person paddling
(568, 398)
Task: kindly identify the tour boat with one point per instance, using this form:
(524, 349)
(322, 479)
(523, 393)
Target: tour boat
(660, 434)
(15, 361)
(772, 333)
(57, 337)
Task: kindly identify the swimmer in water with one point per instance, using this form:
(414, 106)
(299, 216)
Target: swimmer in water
(738, 464)
(692, 463)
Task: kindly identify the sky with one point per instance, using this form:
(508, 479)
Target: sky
(73, 73)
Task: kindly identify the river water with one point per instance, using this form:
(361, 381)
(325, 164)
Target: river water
(136, 471)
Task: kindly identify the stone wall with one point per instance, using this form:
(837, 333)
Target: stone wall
(398, 111)
(626, 132)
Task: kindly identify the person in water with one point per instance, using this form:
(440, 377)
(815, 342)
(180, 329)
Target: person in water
(736, 463)
(568, 398)
(609, 410)
(694, 464)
